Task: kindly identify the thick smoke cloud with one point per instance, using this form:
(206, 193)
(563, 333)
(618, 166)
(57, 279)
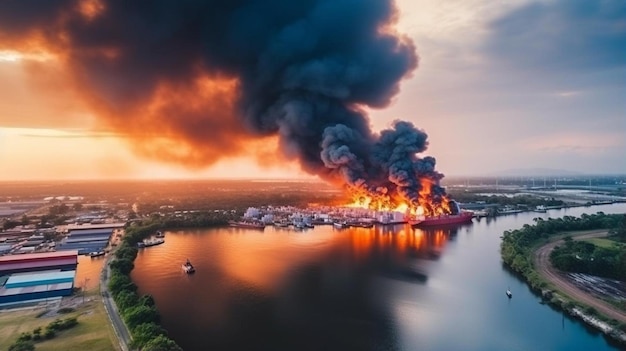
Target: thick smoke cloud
(212, 75)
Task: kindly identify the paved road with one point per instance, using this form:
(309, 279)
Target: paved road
(119, 327)
(545, 268)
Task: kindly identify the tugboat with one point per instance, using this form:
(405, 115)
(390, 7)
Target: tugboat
(188, 267)
(96, 254)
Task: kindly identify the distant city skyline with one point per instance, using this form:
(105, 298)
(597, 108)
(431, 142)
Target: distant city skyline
(499, 86)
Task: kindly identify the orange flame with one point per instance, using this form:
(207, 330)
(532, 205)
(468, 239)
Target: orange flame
(425, 205)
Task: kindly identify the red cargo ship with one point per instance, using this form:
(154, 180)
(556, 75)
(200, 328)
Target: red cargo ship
(456, 217)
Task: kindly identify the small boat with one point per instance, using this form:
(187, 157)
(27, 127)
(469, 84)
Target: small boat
(188, 267)
(340, 225)
(508, 293)
(152, 242)
(96, 254)
(282, 224)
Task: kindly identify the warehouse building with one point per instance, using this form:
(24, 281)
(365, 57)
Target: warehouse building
(36, 262)
(86, 240)
(38, 276)
(32, 287)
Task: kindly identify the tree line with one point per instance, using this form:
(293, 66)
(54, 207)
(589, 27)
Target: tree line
(139, 312)
(518, 246)
(585, 257)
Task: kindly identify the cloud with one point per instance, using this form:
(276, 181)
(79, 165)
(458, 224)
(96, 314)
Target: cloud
(563, 36)
(583, 143)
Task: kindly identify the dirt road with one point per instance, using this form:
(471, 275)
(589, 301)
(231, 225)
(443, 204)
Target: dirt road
(545, 268)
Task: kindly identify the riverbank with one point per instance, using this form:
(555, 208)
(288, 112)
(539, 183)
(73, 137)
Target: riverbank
(119, 328)
(565, 295)
(527, 251)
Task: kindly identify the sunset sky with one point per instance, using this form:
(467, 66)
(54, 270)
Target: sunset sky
(499, 85)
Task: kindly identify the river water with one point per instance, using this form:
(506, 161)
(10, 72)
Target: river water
(385, 288)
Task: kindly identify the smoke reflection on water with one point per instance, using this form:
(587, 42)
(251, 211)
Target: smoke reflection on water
(323, 289)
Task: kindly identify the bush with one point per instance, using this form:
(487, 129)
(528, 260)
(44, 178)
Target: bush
(24, 345)
(68, 323)
(49, 334)
(24, 337)
(62, 324)
(54, 325)
(590, 310)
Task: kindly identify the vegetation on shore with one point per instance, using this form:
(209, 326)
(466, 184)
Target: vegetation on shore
(139, 312)
(518, 246)
(528, 201)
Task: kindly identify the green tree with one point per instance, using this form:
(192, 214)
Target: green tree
(123, 265)
(146, 332)
(140, 314)
(119, 282)
(126, 299)
(147, 300)
(161, 343)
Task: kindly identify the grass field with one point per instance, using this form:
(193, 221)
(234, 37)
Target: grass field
(93, 332)
(602, 242)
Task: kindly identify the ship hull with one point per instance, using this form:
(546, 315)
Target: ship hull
(246, 225)
(465, 217)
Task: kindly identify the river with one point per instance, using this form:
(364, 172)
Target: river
(386, 288)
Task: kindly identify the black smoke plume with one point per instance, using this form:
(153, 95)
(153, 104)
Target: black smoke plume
(303, 70)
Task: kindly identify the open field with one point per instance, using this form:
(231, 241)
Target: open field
(92, 333)
(564, 285)
(601, 242)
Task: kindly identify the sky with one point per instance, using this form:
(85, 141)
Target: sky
(498, 85)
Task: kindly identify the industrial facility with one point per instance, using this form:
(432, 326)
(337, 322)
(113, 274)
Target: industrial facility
(35, 277)
(86, 240)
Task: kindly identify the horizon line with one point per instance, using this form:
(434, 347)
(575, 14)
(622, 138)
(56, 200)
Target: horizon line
(298, 179)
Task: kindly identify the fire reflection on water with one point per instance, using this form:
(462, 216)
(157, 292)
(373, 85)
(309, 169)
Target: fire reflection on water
(274, 285)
